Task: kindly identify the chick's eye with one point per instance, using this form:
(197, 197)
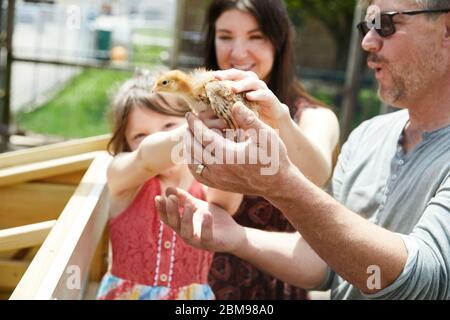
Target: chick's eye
(165, 82)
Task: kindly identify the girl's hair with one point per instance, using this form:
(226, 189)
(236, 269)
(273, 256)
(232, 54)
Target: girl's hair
(274, 22)
(136, 92)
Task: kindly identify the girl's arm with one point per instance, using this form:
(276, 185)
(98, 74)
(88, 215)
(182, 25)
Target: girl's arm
(227, 200)
(129, 170)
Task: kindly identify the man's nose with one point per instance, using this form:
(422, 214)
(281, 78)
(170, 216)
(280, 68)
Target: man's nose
(372, 41)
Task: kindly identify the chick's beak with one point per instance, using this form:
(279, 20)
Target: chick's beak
(154, 88)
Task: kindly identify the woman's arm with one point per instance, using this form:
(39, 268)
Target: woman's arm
(311, 142)
(129, 170)
(227, 200)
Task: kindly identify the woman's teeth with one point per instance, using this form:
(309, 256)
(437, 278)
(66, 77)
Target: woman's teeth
(243, 67)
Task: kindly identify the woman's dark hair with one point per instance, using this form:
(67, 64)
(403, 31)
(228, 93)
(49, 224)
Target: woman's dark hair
(274, 22)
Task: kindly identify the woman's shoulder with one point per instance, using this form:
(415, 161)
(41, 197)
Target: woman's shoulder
(303, 105)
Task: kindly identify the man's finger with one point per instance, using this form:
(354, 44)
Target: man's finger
(211, 120)
(183, 196)
(246, 118)
(207, 232)
(160, 203)
(218, 124)
(173, 213)
(187, 225)
(193, 150)
(204, 135)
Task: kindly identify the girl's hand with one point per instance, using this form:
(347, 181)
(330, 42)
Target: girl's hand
(272, 111)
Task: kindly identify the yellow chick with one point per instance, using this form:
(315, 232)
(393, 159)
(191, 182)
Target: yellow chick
(203, 92)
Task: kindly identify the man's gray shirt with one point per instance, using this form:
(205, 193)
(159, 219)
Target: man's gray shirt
(407, 194)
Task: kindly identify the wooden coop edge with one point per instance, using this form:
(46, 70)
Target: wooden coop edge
(61, 267)
(54, 151)
(40, 170)
(25, 236)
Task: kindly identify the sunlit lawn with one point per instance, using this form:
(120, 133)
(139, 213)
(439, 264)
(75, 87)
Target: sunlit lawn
(79, 110)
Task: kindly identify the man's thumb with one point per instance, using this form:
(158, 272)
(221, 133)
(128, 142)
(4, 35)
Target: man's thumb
(245, 118)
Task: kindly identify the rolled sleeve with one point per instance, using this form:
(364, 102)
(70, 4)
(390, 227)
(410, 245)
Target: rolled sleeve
(426, 274)
(327, 281)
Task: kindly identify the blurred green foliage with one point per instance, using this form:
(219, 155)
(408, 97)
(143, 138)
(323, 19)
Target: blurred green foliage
(336, 16)
(79, 110)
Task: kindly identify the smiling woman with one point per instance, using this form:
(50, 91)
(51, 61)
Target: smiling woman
(243, 46)
(257, 36)
(264, 48)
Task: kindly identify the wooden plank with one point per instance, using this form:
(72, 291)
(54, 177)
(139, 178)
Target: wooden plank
(4, 295)
(91, 291)
(99, 264)
(7, 255)
(11, 272)
(73, 178)
(12, 254)
(28, 203)
(25, 236)
(39, 170)
(31, 253)
(54, 151)
(67, 252)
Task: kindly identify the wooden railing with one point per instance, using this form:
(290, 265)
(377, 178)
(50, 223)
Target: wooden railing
(60, 269)
(55, 213)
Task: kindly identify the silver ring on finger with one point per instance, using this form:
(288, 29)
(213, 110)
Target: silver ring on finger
(199, 169)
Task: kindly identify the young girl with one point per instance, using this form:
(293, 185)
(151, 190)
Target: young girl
(149, 261)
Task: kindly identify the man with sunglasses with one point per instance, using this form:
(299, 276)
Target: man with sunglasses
(386, 233)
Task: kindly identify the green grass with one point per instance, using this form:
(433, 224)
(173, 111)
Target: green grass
(147, 55)
(163, 33)
(150, 54)
(79, 110)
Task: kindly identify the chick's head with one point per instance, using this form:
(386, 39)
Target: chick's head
(176, 82)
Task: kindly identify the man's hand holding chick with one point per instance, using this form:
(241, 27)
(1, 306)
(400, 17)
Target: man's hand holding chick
(247, 176)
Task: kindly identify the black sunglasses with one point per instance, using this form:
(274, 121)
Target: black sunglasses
(387, 24)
